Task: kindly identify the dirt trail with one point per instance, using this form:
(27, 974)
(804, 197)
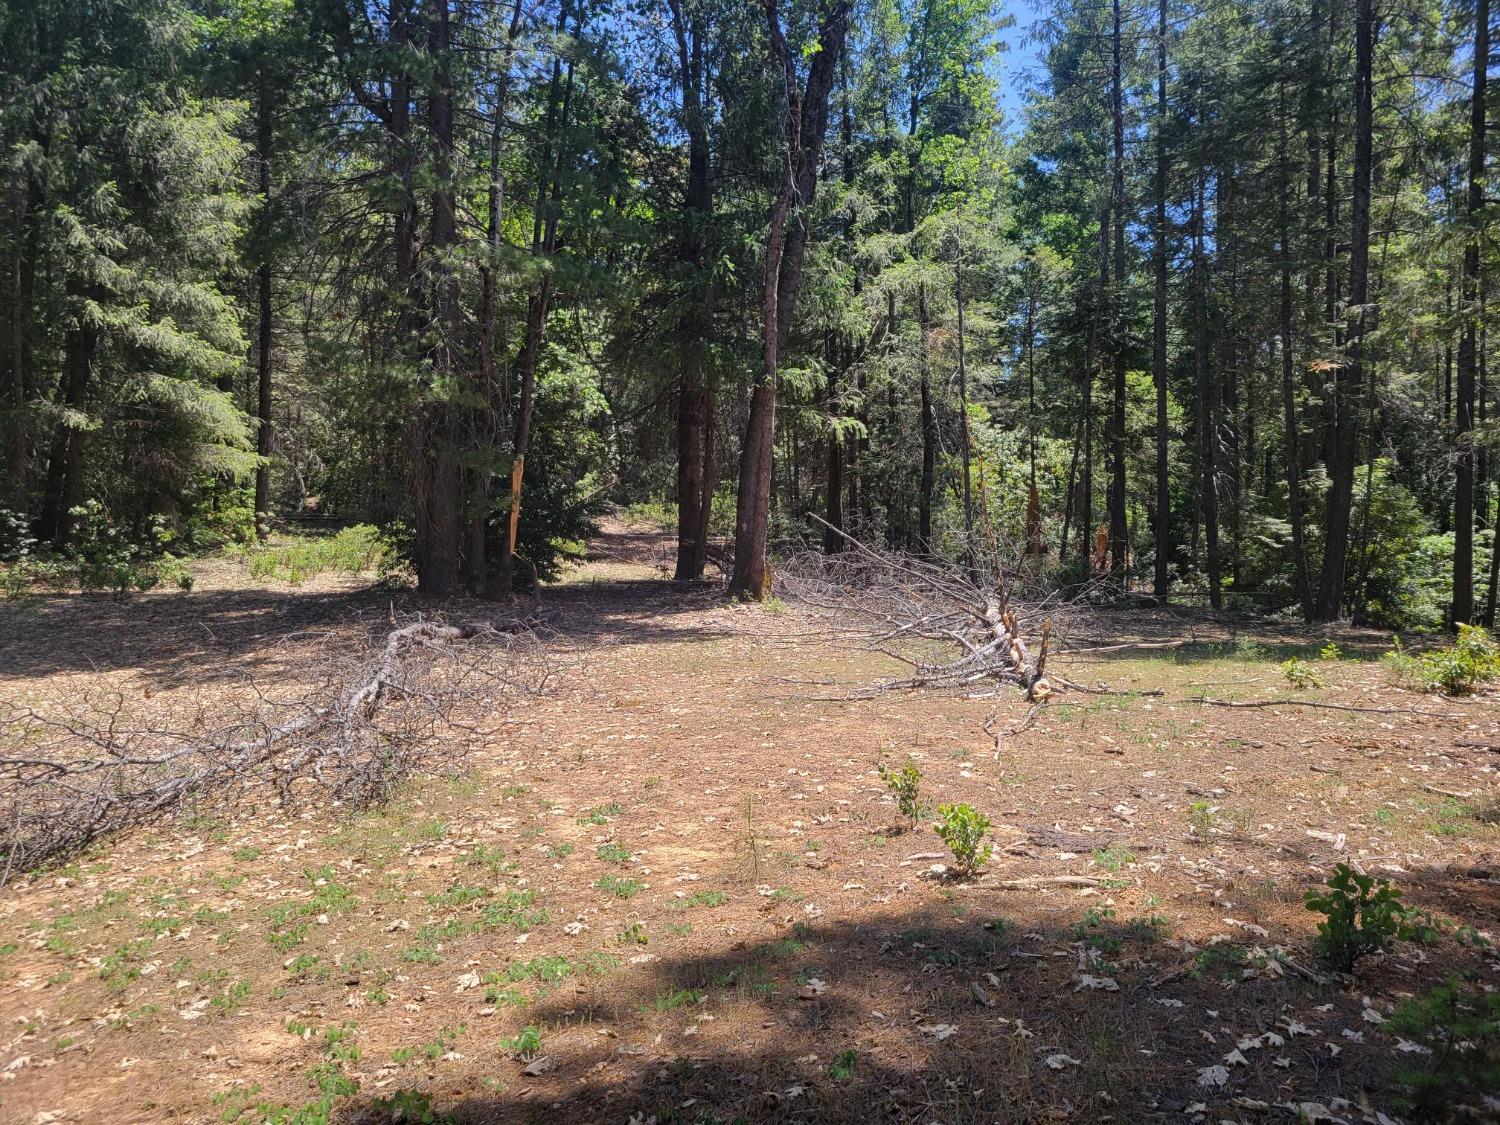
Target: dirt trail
(683, 872)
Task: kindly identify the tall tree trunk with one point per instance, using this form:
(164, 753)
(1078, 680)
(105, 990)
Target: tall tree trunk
(68, 463)
(1119, 533)
(490, 390)
(1162, 584)
(786, 247)
(1288, 386)
(1349, 378)
(1207, 438)
(833, 493)
(1494, 584)
(18, 449)
(1463, 492)
(437, 484)
(693, 395)
(17, 490)
(1090, 351)
(539, 302)
(264, 139)
(929, 428)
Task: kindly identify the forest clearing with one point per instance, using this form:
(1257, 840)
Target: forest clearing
(673, 885)
(688, 562)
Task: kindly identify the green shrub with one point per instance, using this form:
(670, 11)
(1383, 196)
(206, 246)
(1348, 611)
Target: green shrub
(1300, 674)
(1463, 666)
(905, 786)
(1362, 915)
(963, 828)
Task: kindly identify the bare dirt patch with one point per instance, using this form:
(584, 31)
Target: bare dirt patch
(682, 870)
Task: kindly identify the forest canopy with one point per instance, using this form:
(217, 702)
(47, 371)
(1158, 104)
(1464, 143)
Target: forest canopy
(1205, 318)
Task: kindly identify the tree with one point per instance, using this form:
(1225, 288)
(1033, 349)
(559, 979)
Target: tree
(806, 123)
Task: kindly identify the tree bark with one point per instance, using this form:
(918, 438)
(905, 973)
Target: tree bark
(1463, 492)
(1162, 585)
(1293, 444)
(786, 245)
(264, 139)
(538, 304)
(1207, 439)
(693, 395)
(437, 482)
(1349, 378)
(490, 389)
(1119, 534)
(929, 427)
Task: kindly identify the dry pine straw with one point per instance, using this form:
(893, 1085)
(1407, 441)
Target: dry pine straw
(788, 918)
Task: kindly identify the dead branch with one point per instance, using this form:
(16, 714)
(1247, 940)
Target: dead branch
(953, 629)
(358, 722)
(1257, 703)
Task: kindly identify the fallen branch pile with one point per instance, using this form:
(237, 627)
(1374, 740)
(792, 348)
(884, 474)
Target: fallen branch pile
(952, 629)
(356, 723)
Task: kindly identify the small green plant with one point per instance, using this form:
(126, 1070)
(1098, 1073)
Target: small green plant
(600, 814)
(620, 888)
(1113, 857)
(1472, 660)
(963, 829)
(612, 853)
(701, 898)
(411, 1106)
(671, 999)
(842, 1067)
(1200, 817)
(481, 855)
(524, 1046)
(559, 851)
(633, 934)
(1331, 651)
(1362, 915)
(905, 786)
(1301, 675)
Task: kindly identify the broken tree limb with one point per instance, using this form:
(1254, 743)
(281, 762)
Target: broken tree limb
(1261, 703)
(360, 719)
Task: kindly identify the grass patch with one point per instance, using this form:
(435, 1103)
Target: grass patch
(352, 551)
(620, 888)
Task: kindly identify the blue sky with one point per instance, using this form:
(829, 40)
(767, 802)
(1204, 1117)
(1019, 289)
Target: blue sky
(1020, 57)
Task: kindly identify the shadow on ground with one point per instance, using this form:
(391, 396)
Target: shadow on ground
(941, 1014)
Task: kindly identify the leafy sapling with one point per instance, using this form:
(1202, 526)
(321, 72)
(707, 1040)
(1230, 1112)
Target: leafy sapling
(963, 829)
(1362, 915)
(905, 786)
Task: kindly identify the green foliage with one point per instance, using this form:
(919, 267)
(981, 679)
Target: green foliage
(963, 829)
(1457, 669)
(1201, 816)
(409, 1107)
(524, 1045)
(613, 853)
(1300, 674)
(905, 786)
(1362, 915)
(1459, 1023)
(352, 550)
(620, 888)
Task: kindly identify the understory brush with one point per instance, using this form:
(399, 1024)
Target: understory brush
(352, 551)
(1467, 664)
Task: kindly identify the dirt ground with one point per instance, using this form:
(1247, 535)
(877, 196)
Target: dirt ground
(676, 889)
